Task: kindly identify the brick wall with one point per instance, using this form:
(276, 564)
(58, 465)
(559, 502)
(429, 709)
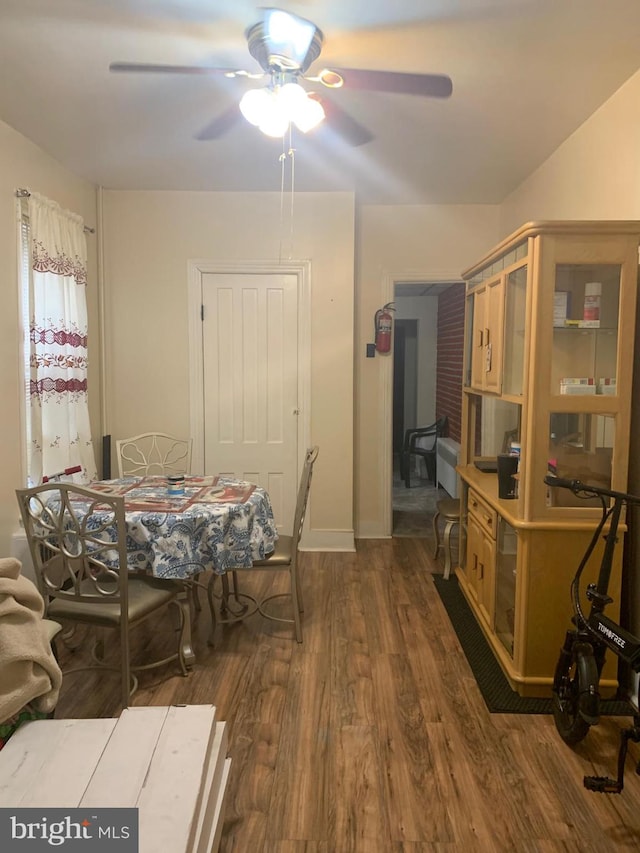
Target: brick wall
(450, 357)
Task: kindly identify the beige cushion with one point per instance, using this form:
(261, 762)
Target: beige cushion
(145, 595)
(282, 554)
(449, 508)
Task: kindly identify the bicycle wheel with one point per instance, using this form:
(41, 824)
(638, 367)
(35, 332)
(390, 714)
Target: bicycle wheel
(575, 701)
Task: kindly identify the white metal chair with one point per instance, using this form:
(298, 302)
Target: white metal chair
(77, 539)
(156, 453)
(153, 453)
(283, 558)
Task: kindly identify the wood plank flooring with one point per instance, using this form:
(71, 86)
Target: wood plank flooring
(372, 736)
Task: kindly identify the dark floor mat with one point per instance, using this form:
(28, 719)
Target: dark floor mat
(495, 689)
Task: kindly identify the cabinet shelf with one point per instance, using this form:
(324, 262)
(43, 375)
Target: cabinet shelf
(610, 330)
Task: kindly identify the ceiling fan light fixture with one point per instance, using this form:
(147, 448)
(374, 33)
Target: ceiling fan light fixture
(289, 37)
(274, 109)
(291, 95)
(309, 115)
(285, 46)
(275, 123)
(255, 105)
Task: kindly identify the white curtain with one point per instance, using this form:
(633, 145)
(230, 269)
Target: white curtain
(60, 435)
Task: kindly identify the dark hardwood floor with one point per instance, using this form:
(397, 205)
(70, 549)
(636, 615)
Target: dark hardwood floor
(372, 735)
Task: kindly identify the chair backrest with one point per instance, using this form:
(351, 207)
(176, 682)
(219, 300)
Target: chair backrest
(426, 437)
(303, 492)
(77, 539)
(153, 453)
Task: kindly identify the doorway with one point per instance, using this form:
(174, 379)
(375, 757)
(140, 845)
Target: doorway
(417, 395)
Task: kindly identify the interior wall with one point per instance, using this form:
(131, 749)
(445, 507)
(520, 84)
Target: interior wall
(150, 237)
(594, 174)
(401, 242)
(24, 165)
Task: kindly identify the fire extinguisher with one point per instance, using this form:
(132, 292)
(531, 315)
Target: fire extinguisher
(383, 322)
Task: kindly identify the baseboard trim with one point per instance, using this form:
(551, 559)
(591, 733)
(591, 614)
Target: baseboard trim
(328, 540)
(373, 536)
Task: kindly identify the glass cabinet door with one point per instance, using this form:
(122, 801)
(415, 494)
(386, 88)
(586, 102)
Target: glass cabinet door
(582, 431)
(514, 331)
(494, 424)
(585, 329)
(580, 448)
(506, 560)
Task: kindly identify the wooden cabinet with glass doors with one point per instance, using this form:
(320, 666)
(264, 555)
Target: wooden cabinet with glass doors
(549, 337)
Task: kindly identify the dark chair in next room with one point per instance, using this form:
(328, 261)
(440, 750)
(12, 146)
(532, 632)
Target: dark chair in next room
(421, 442)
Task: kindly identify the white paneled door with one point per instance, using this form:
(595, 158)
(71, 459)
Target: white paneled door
(250, 382)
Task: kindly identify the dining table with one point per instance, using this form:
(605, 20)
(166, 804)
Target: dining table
(216, 523)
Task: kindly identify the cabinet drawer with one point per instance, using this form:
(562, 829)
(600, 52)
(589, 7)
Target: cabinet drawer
(483, 513)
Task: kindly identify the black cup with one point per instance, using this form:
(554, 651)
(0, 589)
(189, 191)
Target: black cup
(507, 467)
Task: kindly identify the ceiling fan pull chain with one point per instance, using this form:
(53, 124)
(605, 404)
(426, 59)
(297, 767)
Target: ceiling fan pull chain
(292, 154)
(283, 159)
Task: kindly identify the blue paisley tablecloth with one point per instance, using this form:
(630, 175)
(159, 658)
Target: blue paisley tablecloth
(218, 524)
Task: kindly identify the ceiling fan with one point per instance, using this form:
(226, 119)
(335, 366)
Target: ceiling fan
(285, 46)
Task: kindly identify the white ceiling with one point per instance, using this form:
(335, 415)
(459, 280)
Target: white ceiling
(526, 74)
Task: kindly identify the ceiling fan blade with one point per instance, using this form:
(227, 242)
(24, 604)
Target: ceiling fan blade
(220, 125)
(343, 124)
(149, 67)
(397, 82)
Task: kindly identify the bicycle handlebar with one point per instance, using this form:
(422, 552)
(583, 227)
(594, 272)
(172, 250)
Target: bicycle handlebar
(578, 486)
